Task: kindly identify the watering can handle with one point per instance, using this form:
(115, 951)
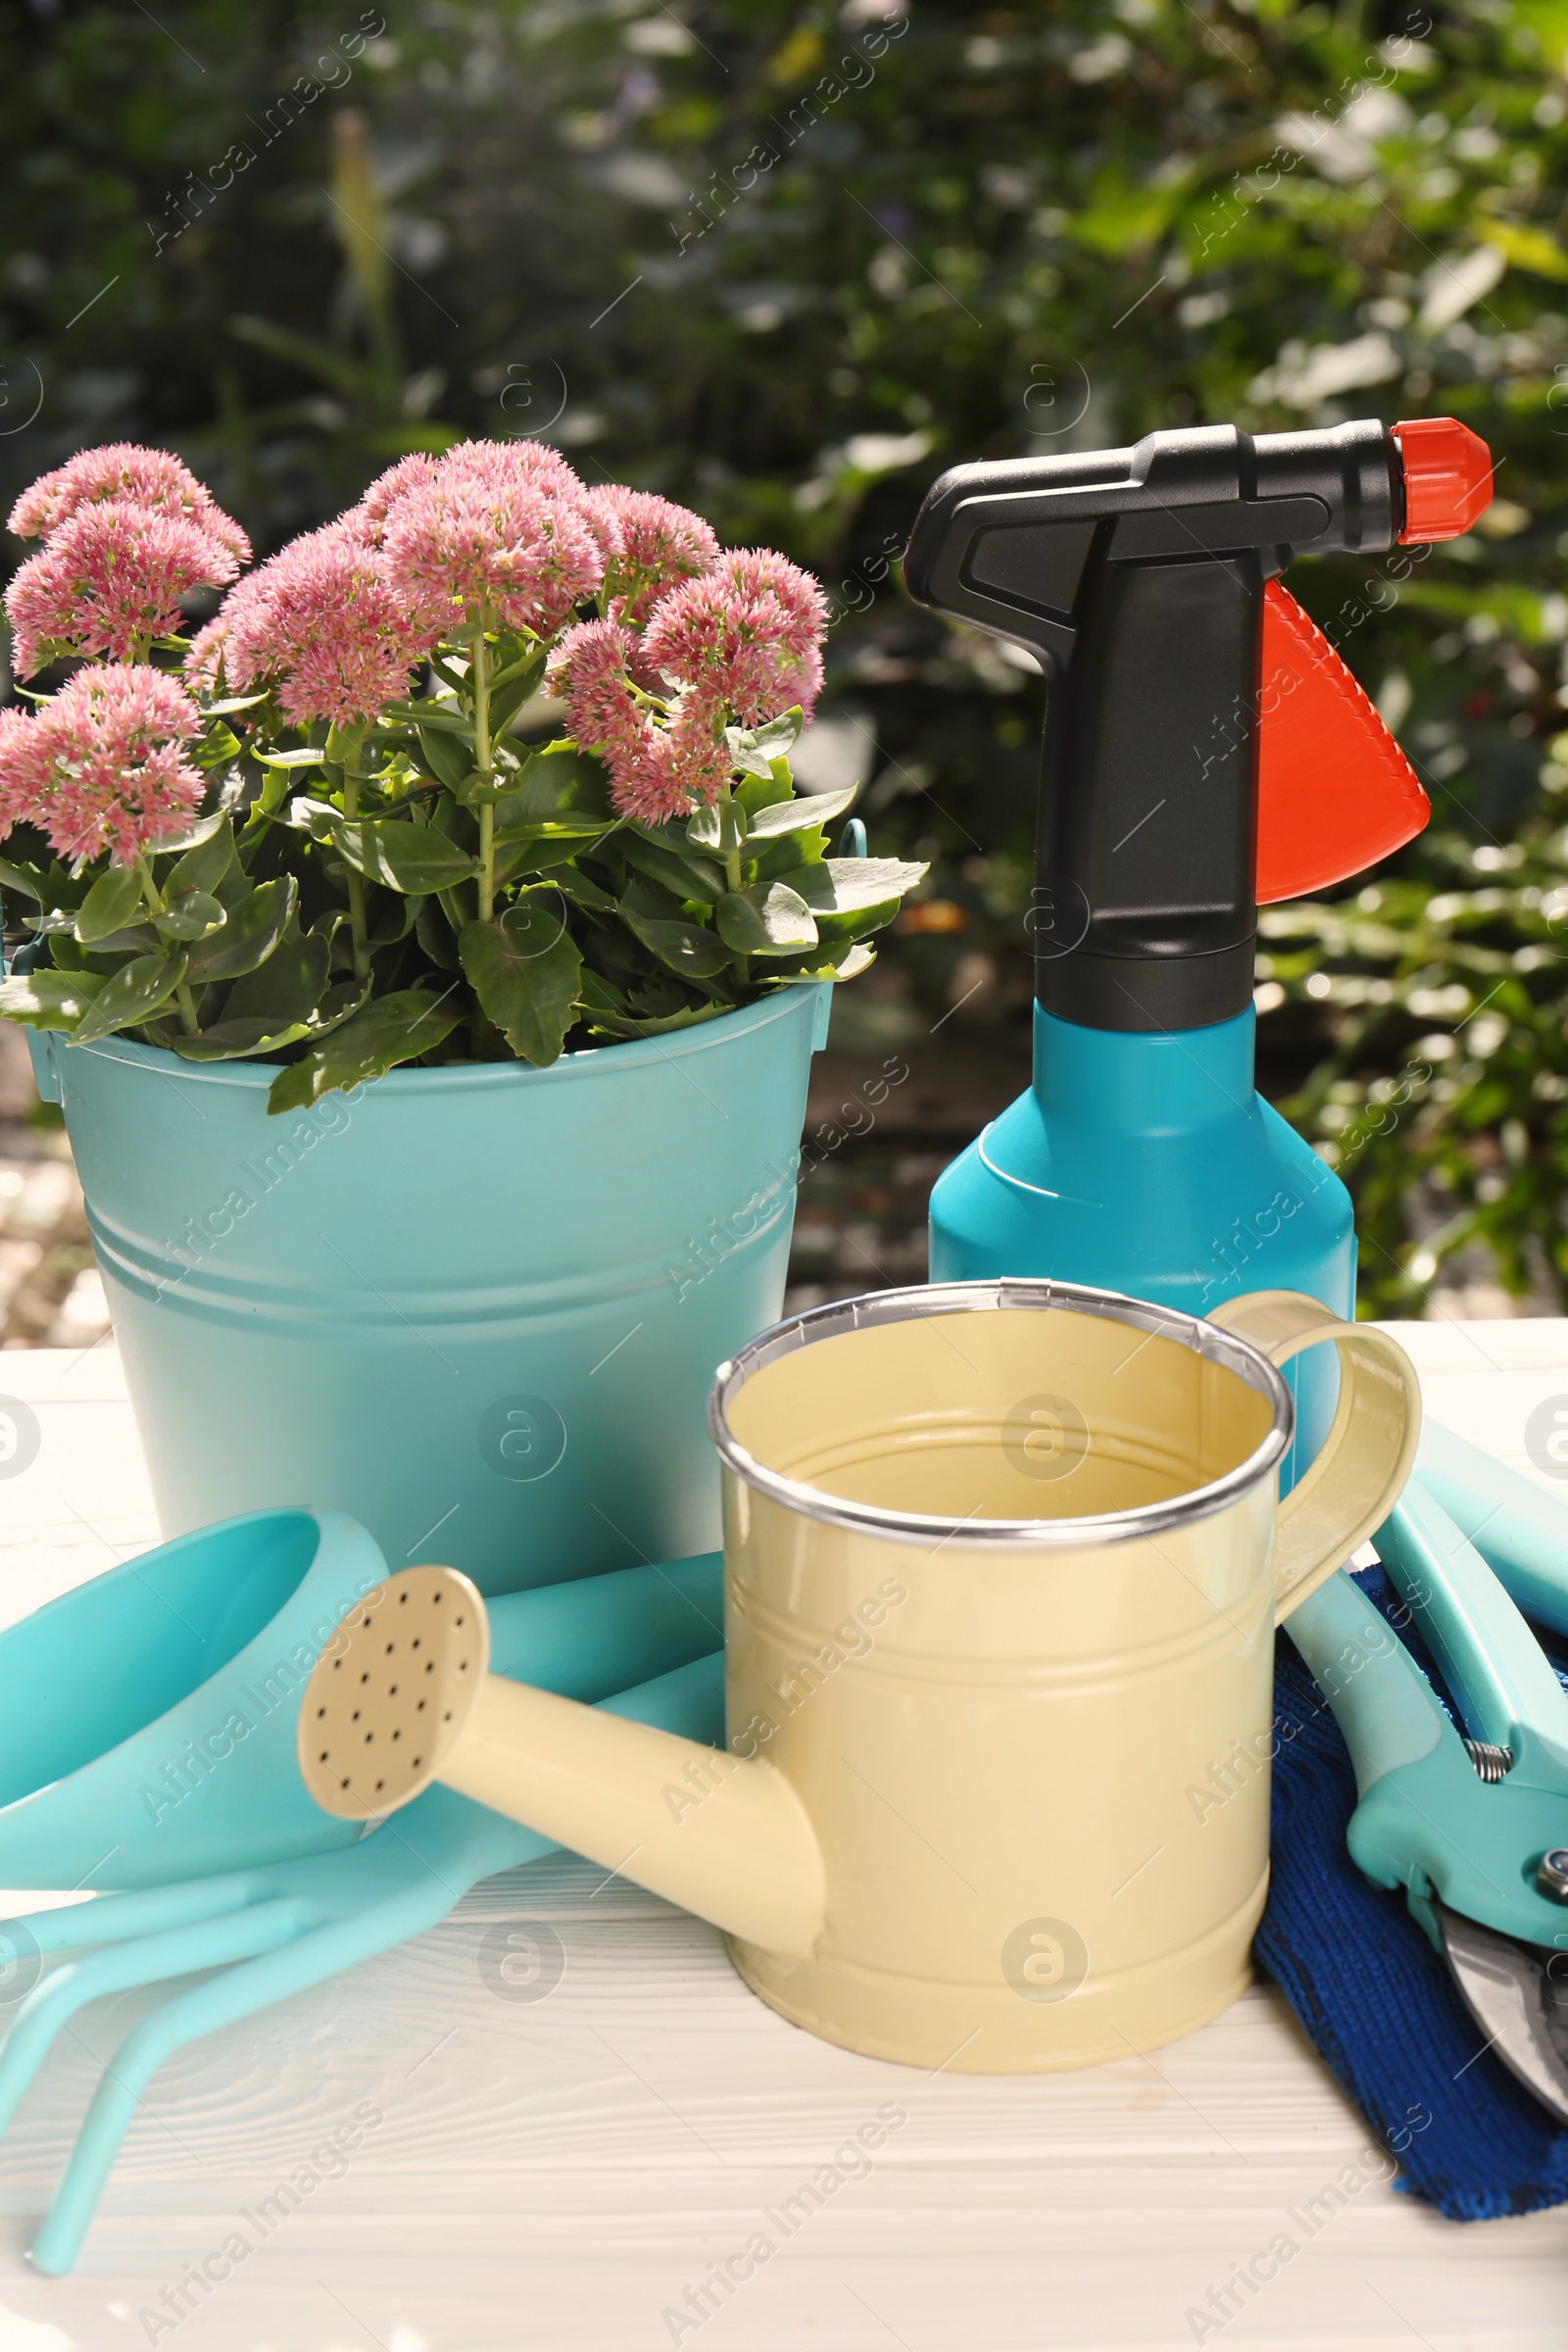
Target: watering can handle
(1368, 1454)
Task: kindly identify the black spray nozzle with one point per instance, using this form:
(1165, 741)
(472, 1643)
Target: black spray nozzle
(1135, 577)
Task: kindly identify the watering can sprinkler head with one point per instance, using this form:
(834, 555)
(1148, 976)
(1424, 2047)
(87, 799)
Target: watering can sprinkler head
(1207, 750)
(401, 1697)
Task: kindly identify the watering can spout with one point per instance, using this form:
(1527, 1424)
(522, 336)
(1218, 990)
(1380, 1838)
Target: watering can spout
(727, 1839)
(402, 1696)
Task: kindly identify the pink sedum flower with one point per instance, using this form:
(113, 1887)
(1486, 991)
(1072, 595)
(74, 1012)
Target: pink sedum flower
(660, 762)
(532, 465)
(743, 638)
(660, 545)
(414, 472)
(103, 767)
(108, 581)
(323, 621)
(120, 470)
(485, 536)
(203, 662)
(750, 632)
(22, 770)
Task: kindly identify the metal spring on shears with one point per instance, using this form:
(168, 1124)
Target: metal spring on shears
(1490, 1763)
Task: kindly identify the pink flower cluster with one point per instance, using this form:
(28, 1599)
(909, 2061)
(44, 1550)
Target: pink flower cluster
(656, 544)
(127, 532)
(744, 638)
(324, 621)
(493, 534)
(500, 530)
(145, 477)
(101, 765)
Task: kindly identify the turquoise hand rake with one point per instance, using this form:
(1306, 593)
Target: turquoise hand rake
(147, 1740)
(275, 1929)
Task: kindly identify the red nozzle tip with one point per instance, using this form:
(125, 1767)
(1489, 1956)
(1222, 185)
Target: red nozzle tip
(1448, 477)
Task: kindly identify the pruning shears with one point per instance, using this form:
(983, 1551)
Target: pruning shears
(1471, 1822)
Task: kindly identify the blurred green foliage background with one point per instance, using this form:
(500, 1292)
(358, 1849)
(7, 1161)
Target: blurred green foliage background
(786, 261)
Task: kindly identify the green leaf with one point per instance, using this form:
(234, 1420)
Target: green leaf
(768, 743)
(414, 859)
(798, 816)
(429, 712)
(109, 905)
(598, 993)
(134, 940)
(686, 947)
(435, 934)
(187, 837)
(239, 1041)
(583, 889)
(275, 791)
(288, 986)
(846, 965)
(390, 1030)
(447, 756)
(557, 783)
(755, 793)
(685, 877)
(769, 919)
(754, 750)
(193, 915)
(48, 1000)
(532, 853)
(133, 992)
(512, 689)
(304, 755)
(255, 1031)
(525, 968)
(624, 1024)
(214, 747)
(29, 879)
(251, 932)
(230, 703)
(204, 867)
(723, 827)
(855, 887)
(1527, 248)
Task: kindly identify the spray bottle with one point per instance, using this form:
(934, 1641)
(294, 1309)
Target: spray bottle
(1205, 751)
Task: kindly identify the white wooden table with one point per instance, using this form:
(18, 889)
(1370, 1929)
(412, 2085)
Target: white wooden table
(559, 2173)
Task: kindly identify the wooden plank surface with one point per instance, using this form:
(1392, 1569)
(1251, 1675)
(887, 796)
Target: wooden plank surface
(558, 2172)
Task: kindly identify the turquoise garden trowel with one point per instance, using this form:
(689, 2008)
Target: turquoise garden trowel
(147, 1732)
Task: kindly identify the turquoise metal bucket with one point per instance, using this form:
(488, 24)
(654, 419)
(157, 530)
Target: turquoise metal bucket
(477, 1309)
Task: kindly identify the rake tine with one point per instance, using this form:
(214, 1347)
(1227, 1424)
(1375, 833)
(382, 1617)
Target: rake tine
(255, 1984)
(78, 1927)
(239, 1935)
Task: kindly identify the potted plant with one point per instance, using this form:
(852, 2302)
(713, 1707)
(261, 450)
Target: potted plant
(428, 957)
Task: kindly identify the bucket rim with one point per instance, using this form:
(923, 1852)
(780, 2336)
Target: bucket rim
(588, 1061)
(917, 1302)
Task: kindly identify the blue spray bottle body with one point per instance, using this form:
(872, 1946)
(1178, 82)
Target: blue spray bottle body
(1149, 1163)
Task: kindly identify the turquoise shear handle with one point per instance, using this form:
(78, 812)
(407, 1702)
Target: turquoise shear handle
(1381, 1699)
(1497, 1670)
(1522, 1529)
(1426, 1820)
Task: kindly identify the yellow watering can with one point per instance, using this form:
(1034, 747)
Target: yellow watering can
(1003, 1566)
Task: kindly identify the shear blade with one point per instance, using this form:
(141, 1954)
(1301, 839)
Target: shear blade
(1518, 2007)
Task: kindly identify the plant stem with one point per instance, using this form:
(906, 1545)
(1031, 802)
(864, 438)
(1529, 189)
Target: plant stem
(479, 673)
(345, 742)
(732, 875)
(182, 996)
